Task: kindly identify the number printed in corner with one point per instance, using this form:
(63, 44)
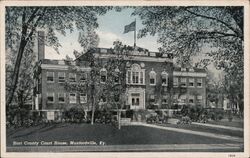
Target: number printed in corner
(231, 155)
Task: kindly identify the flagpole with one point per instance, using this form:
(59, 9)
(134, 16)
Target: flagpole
(135, 35)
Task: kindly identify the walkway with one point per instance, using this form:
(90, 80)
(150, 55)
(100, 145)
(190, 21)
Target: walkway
(206, 134)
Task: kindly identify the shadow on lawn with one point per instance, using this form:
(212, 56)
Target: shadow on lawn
(43, 128)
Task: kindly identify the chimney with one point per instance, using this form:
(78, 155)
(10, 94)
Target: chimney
(41, 45)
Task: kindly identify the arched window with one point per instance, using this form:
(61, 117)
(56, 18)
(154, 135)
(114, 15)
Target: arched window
(103, 73)
(135, 75)
(164, 78)
(152, 77)
(117, 73)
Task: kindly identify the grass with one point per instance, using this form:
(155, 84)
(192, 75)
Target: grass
(108, 134)
(200, 128)
(238, 124)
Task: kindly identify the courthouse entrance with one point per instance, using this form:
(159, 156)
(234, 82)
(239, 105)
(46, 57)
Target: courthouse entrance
(136, 98)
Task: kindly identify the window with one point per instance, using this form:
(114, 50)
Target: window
(135, 99)
(103, 73)
(199, 82)
(152, 77)
(116, 79)
(191, 99)
(50, 97)
(83, 77)
(199, 99)
(191, 82)
(164, 99)
(141, 78)
(175, 82)
(183, 98)
(50, 76)
(61, 97)
(183, 82)
(164, 78)
(175, 98)
(72, 77)
(61, 77)
(191, 70)
(116, 98)
(103, 99)
(83, 97)
(128, 76)
(135, 75)
(183, 69)
(152, 98)
(117, 73)
(72, 98)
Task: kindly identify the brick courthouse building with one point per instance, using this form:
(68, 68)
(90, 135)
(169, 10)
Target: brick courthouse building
(154, 82)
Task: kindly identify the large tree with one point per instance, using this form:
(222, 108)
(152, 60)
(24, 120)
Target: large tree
(190, 31)
(23, 94)
(21, 24)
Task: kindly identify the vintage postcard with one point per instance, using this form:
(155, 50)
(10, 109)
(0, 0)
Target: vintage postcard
(125, 79)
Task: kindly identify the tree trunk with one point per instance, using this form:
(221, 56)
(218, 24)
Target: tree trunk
(119, 119)
(93, 105)
(16, 71)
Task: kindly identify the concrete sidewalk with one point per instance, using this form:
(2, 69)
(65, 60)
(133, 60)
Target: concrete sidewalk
(206, 134)
(132, 148)
(218, 126)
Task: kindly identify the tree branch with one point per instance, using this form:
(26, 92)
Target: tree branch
(36, 23)
(33, 15)
(215, 19)
(24, 16)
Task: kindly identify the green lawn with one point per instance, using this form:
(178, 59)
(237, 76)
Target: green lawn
(206, 129)
(108, 134)
(238, 124)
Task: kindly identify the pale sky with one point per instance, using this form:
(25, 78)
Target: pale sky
(111, 27)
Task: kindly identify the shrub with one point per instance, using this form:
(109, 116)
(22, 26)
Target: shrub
(129, 114)
(74, 115)
(152, 119)
(185, 120)
(195, 113)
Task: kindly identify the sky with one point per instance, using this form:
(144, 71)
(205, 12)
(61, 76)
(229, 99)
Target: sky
(111, 27)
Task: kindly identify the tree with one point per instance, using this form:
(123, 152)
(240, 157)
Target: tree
(215, 88)
(89, 85)
(115, 86)
(112, 86)
(22, 23)
(23, 94)
(189, 31)
(88, 40)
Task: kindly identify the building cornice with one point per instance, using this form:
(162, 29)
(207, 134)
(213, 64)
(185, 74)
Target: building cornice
(61, 67)
(135, 58)
(189, 74)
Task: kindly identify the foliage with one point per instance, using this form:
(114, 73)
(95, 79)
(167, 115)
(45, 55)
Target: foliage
(184, 120)
(88, 40)
(195, 113)
(215, 33)
(216, 114)
(19, 109)
(74, 115)
(104, 117)
(21, 24)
